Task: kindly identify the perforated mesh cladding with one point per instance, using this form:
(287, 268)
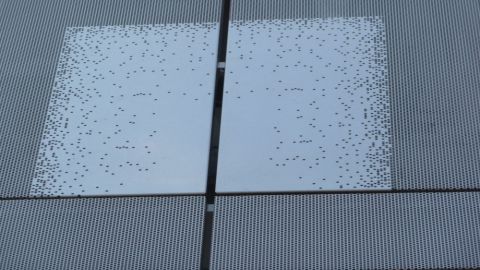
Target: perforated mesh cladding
(347, 231)
(434, 81)
(31, 39)
(114, 233)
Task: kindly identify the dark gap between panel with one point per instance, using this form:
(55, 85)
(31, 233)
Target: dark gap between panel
(230, 194)
(215, 138)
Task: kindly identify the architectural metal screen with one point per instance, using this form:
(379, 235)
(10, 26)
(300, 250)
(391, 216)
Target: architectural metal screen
(347, 231)
(103, 233)
(61, 52)
(372, 107)
(432, 57)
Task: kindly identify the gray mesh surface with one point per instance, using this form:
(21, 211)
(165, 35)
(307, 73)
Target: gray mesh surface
(347, 231)
(31, 39)
(433, 68)
(113, 233)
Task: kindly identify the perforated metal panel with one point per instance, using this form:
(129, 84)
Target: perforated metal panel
(120, 117)
(432, 54)
(112, 233)
(305, 106)
(347, 231)
(32, 35)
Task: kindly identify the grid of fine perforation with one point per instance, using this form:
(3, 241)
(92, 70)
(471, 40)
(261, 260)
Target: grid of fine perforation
(347, 231)
(112, 233)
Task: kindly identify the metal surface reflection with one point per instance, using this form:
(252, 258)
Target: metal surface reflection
(306, 106)
(130, 112)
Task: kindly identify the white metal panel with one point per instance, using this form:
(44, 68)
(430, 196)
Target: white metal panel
(130, 111)
(306, 106)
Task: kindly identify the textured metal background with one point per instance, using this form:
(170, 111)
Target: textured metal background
(433, 67)
(347, 231)
(113, 233)
(31, 35)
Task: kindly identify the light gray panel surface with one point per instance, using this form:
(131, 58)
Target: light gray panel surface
(32, 34)
(122, 118)
(305, 106)
(347, 231)
(107, 233)
(433, 76)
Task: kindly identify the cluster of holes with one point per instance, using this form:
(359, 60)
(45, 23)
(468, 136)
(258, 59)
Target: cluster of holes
(119, 97)
(320, 101)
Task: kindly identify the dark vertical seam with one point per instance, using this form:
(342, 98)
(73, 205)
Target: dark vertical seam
(215, 137)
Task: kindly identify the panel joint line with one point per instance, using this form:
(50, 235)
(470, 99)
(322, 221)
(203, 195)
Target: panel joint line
(215, 137)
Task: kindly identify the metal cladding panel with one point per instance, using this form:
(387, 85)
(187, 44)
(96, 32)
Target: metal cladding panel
(102, 233)
(306, 106)
(433, 92)
(347, 231)
(94, 90)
